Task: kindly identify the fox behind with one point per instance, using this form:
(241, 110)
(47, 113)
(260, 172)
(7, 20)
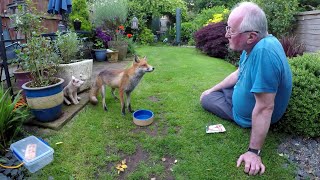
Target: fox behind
(125, 80)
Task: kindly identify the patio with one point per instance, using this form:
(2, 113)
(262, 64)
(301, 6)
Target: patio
(68, 111)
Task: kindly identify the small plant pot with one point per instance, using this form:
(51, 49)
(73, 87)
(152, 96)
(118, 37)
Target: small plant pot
(77, 25)
(113, 56)
(101, 54)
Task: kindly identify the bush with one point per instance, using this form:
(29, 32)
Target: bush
(11, 118)
(303, 113)
(280, 15)
(68, 45)
(80, 11)
(207, 14)
(291, 46)
(211, 40)
(146, 37)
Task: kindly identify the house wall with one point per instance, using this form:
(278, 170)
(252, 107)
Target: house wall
(50, 22)
(308, 30)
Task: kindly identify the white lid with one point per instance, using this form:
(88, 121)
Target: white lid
(41, 149)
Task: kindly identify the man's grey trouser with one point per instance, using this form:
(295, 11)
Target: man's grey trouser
(219, 103)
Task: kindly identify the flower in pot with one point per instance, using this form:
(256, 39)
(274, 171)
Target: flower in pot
(110, 15)
(44, 92)
(101, 42)
(100, 51)
(69, 47)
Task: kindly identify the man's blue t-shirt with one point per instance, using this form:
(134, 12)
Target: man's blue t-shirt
(264, 70)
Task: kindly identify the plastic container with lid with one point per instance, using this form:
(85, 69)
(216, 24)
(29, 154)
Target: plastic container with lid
(33, 152)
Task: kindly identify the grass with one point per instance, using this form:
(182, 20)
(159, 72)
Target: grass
(95, 140)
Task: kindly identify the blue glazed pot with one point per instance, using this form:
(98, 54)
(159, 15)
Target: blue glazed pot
(45, 102)
(101, 54)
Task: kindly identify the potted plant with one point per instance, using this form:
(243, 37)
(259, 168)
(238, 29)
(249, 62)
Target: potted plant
(44, 92)
(77, 24)
(26, 20)
(110, 15)
(69, 45)
(99, 50)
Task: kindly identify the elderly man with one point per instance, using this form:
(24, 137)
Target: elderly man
(258, 92)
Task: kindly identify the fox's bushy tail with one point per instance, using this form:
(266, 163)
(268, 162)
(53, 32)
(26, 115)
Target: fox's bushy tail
(95, 90)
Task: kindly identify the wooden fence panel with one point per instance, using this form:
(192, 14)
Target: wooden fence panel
(50, 22)
(308, 30)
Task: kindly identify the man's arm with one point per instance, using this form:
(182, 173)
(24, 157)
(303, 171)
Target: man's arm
(229, 81)
(261, 119)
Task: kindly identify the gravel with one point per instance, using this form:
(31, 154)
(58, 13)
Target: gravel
(10, 160)
(304, 153)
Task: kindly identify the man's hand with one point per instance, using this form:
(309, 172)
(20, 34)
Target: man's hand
(252, 163)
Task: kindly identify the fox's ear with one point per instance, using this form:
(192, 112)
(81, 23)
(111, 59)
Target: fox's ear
(136, 58)
(145, 58)
(73, 77)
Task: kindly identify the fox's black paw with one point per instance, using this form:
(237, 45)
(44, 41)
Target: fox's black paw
(105, 108)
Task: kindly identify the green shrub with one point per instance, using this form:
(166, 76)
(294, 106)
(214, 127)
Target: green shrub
(11, 119)
(207, 14)
(303, 113)
(146, 37)
(80, 11)
(280, 15)
(68, 45)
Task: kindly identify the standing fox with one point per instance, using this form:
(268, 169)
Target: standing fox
(126, 80)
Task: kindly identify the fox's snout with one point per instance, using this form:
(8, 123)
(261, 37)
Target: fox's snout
(150, 69)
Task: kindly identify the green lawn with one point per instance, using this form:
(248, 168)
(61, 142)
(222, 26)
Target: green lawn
(95, 140)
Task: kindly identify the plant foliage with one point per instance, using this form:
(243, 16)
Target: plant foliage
(280, 15)
(40, 57)
(291, 46)
(109, 15)
(303, 113)
(68, 45)
(211, 40)
(11, 119)
(80, 11)
(146, 36)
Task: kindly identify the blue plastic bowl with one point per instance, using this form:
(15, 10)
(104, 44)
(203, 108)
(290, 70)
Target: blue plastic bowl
(143, 117)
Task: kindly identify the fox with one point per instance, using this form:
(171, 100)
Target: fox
(125, 80)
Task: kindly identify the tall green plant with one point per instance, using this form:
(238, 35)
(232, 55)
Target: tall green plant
(11, 119)
(280, 15)
(68, 45)
(80, 11)
(109, 14)
(40, 57)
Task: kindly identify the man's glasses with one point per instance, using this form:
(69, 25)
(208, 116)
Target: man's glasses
(229, 31)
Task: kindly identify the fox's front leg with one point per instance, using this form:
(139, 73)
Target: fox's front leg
(123, 110)
(74, 101)
(129, 102)
(113, 95)
(103, 94)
